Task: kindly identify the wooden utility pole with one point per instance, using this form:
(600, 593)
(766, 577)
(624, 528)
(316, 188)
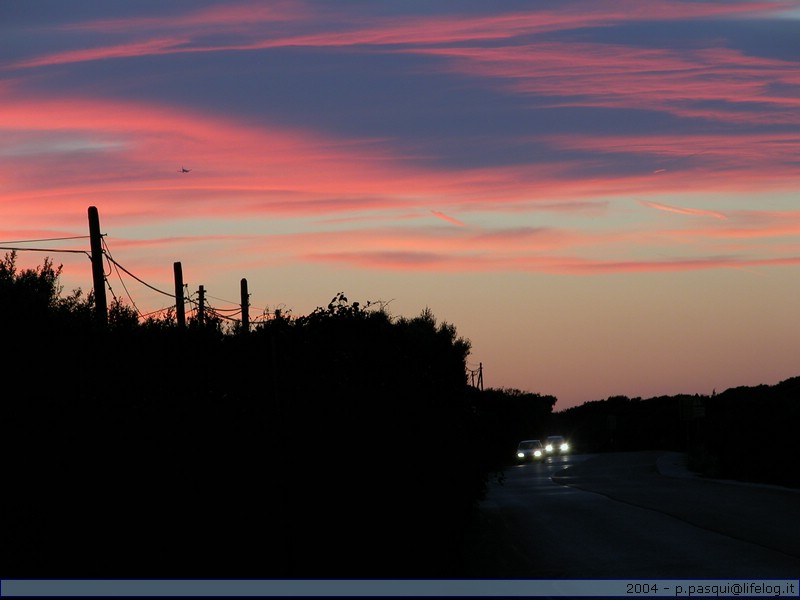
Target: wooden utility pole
(201, 306)
(180, 308)
(245, 306)
(98, 274)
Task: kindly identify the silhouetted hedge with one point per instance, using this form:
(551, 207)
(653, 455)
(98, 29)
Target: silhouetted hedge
(751, 434)
(339, 444)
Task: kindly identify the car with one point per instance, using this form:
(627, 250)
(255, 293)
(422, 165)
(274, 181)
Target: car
(556, 444)
(530, 450)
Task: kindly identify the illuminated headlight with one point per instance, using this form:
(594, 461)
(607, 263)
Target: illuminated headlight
(564, 447)
(537, 452)
(520, 454)
(549, 447)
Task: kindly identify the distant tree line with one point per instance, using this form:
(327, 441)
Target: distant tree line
(342, 443)
(744, 433)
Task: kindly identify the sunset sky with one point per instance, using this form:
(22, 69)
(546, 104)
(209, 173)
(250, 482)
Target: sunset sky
(603, 196)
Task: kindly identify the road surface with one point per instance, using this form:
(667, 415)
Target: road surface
(631, 516)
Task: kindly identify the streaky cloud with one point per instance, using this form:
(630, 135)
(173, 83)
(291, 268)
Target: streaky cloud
(426, 261)
(722, 84)
(152, 47)
(440, 215)
(200, 30)
(683, 211)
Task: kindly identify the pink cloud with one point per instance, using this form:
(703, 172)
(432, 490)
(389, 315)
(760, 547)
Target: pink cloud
(708, 161)
(762, 148)
(723, 243)
(336, 28)
(260, 170)
(127, 50)
(212, 18)
(616, 76)
(62, 155)
(280, 172)
(422, 261)
(88, 150)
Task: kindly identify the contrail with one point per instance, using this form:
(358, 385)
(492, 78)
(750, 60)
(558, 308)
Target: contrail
(444, 217)
(696, 212)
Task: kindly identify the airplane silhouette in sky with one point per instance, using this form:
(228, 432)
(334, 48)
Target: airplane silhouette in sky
(184, 170)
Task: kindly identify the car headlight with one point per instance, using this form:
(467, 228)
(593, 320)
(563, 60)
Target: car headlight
(520, 455)
(537, 453)
(549, 447)
(564, 447)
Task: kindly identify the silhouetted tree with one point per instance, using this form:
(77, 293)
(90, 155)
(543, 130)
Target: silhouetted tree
(333, 432)
(511, 415)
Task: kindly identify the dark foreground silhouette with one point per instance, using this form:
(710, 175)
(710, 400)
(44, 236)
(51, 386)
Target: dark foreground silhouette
(345, 443)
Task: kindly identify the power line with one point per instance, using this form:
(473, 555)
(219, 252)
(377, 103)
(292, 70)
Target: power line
(223, 300)
(144, 283)
(164, 309)
(476, 376)
(219, 316)
(107, 254)
(58, 239)
(229, 310)
(53, 250)
(115, 266)
(86, 252)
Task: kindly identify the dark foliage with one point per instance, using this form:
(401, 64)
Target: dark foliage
(751, 434)
(744, 433)
(622, 424)
(343, 443)
(509, 415)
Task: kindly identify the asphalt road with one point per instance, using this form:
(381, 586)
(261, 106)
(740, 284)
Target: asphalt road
(631, 516)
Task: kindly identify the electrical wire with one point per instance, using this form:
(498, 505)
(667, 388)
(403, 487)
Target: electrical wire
(107, 254)
(223, 300)
(144, 283)
(229, 310)
(156, 312)
(114, 266)
(54, 250)
(86, 252)
(58, 239)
